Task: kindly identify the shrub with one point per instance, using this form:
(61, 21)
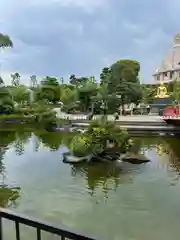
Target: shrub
(8, 195)
(6, 103)
(80, 146)
(97, 138)
(102, 132)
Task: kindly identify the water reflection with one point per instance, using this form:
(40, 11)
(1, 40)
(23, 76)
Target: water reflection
(54, 140)
(172, 149)
(2, 165)
(96, 175)
(99, 176)
(107, 177)
(130, 200)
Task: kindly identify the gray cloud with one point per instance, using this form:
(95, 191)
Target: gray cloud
(60, 37)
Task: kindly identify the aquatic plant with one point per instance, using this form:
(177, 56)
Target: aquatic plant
(99, 136)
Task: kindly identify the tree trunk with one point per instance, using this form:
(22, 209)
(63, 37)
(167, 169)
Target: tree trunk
(122, 104)
(105, 110)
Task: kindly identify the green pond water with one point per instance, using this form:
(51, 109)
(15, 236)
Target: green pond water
(133, 202)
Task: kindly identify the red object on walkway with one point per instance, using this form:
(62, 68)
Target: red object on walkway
(171, 112)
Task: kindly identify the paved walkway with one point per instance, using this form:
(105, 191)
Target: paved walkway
(135, 118)
(138, 127)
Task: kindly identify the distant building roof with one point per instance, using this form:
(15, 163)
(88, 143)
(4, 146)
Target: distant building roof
(172, 60)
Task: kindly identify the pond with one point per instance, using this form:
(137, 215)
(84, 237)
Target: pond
(136, 202)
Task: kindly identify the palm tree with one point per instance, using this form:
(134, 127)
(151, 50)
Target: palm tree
(5, 42)
(33, 81)
(62, 80)
(15, 79)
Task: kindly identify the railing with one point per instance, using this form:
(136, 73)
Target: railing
(38, 225)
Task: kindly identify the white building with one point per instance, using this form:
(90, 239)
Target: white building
(170, 67)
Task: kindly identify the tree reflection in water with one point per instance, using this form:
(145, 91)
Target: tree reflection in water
(104, 176)
(108, 176)
(172, 147)
(22, 138)
(6, 138)
(2, 166)
(8, 195)
(54, 140)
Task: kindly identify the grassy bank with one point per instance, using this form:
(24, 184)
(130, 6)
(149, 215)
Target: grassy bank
(38, 115)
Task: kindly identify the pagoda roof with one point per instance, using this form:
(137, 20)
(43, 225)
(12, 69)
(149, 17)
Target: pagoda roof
(172, 59)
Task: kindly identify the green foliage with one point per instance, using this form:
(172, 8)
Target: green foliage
(6, 137)
(80, 145)
(176, 90)
(8, 195)
(6, 102)
(67, 95)
(39, 112)
(78, 82)
(86, 93)
(20, 94)
(119, 85)
(46, 117)
(129, 69)
(104, 76)
(49, 90)
(55, 140)
(99, 134)
(51, 81)
(71, 107)
(84, 89)
(148, 94)
(104, 131)
(72, 79)
(5, 41)
(124, 80)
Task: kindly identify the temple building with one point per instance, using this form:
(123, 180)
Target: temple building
(170, 67)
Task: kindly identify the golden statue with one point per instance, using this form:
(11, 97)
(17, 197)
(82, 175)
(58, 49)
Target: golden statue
(162, 91)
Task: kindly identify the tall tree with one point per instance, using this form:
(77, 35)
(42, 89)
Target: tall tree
(5, 42)
(68, 95)
(123, 81)
(72, 79)
(104, 76)
(86, 91)
(78, 82)
(50, 81)
(49, 90)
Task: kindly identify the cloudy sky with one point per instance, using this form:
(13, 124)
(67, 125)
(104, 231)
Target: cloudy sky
(61, 37)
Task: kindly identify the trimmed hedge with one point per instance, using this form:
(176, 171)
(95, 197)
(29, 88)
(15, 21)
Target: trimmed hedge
(15, 118)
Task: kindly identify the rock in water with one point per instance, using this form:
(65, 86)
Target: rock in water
(110, 154)
(134, 158)
(68, 158)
